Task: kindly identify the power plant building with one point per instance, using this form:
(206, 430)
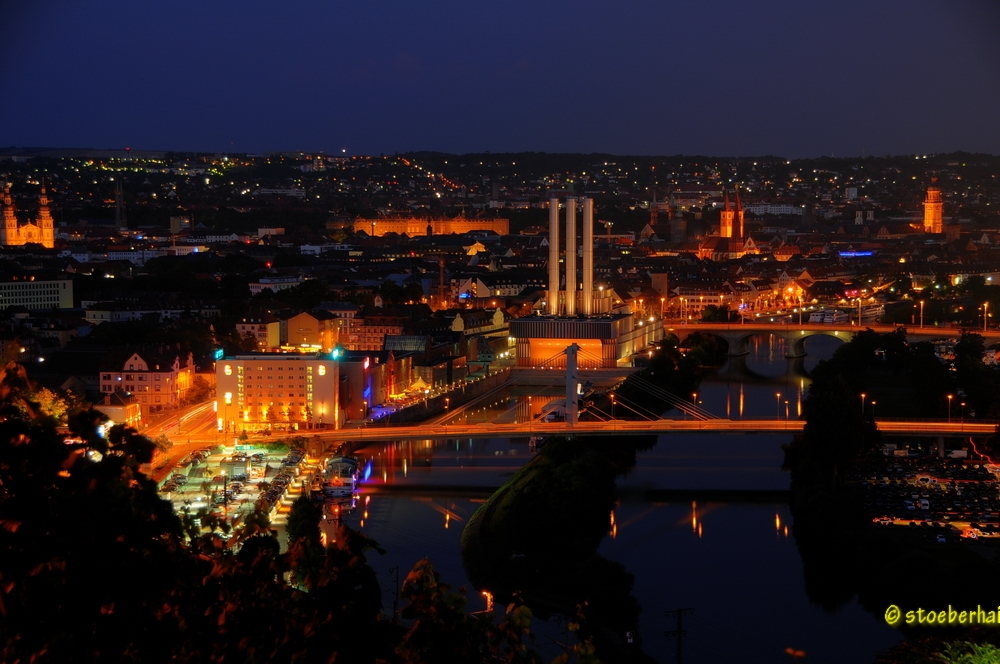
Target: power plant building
(575, 311)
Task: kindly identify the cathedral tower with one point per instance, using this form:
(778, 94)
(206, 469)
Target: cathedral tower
(9, 220)
(44, 222)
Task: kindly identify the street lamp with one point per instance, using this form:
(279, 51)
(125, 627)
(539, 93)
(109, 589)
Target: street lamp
(921, 314)
(873, 409)
(963, 412)
(447, 400)
(786, 409)
(862, 403)
(612, 405)
(949, 408)
(663, 301)
(986, 306)
(777, 405)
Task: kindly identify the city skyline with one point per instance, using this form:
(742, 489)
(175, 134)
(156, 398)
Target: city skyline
(774, 78)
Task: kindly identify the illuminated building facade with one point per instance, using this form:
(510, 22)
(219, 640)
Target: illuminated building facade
(265, 329)
(414, 226)
(731, 219)
(607, 341)
(40, 232)
(157, 379)
(36, 291)
(263, 390)
(933, 209)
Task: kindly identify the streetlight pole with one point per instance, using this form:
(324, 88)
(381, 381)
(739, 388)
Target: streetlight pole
(986, 306)
(225, 492)
(873, 410)
(777, 406)
(862, 403)
(921, 314)
(612, 406)
(949, 408)
(786, 410)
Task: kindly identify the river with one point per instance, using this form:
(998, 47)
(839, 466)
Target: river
(735, 563)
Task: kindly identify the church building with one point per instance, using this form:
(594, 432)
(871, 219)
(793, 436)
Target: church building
(40, 232)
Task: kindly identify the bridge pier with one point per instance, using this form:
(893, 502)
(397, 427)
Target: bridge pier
(572, 400)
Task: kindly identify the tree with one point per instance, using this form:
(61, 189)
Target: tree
(303, 522)
(199, 391)
(163, 443)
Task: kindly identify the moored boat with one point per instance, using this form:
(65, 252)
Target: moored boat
(340, 477)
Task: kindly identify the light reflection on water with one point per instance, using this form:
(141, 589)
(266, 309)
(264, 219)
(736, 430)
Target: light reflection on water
(735, 563)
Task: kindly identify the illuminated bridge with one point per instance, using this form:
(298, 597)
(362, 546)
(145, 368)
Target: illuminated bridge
(923, 428)
(738, 335)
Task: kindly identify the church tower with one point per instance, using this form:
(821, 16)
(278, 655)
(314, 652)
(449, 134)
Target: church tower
(9, 220)
(933, 208)
(738, 228)
(726, 218)
(44, 222)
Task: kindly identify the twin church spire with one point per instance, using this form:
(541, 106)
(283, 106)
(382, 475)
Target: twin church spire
(731, 220)
(41, 231)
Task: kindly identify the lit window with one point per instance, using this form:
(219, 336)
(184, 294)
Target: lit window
(322, 370)
(229, 370)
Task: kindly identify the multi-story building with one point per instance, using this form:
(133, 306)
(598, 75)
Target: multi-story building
(259, 390)
(159, 378)
(369, 332)
(266, 329)
(36, 291)
(318, 330)
(118, 312)
(274, 284)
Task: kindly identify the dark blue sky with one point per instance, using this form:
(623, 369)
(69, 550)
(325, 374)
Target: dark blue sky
(732, 77)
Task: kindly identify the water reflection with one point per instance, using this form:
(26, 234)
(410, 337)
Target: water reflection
(736, 563)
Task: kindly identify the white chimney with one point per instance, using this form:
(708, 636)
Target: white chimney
(554, 256)
(570, 256)
(588, 256)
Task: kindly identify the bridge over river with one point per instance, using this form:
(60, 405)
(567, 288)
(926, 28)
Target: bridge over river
(738, 335)
(922, 428)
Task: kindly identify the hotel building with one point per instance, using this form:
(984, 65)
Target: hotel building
(260, 390)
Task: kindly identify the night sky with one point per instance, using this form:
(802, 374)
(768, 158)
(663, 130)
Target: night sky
(732, 77)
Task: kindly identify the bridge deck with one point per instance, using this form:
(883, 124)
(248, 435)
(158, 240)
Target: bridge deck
(630, 427)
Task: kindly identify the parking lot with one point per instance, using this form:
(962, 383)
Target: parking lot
(947, 499)
(228, 482)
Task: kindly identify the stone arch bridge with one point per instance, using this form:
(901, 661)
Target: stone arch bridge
(739, 337)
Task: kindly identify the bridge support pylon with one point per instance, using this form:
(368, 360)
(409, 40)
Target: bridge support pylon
(572, 405)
